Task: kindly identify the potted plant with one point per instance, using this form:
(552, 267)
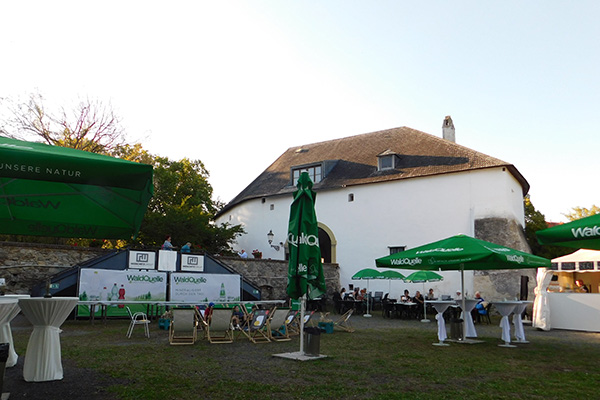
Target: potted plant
(256, 253)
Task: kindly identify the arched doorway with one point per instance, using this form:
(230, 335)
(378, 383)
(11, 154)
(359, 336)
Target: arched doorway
(327, 243)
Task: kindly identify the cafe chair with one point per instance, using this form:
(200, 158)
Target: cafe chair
(218, 329)
(277, 329)
(486, 316)
(138, 318)
(291, 322)
(343, 322)
(183, 327)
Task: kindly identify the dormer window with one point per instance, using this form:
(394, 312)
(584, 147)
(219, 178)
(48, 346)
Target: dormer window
(315, 172)
(387, 160)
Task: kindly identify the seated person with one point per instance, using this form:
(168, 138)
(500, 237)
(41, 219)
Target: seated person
(430, 295)
(418, 298)
(405, 298)
(362, 295)
(458, 295)
(208, 312)
(237, 318)
(479, 307)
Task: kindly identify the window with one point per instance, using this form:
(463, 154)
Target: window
(396, 249)
(314, 172)
(386, 162)
(351, 197)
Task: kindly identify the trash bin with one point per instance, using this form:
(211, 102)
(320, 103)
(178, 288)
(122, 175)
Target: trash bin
(4, 347)
(456, 329)
(313, 341)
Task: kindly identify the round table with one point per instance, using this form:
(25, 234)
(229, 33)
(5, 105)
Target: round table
(43, 358)
(518, 321)
(505, 308)
(441, 306)
(470, 304)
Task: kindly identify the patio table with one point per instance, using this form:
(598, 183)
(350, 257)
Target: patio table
(9, 308)
(505, 308)
(43, 357)
(466, 316)
(441, 306)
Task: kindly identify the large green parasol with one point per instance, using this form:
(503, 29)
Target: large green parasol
(62, 192)
(582, 233)
(462, 252)
(305, 270)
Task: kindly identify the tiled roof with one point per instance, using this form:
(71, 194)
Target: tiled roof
(353, 161)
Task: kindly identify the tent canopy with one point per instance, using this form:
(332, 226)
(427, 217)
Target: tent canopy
(57, 191)
(582, 233)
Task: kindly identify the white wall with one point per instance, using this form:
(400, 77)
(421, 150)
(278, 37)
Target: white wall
(407, 213)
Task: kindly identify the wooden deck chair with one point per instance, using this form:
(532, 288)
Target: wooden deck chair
(343, 322)
(290, 322)
(295, 326)
(218, 330)
(276, 325)
(183, 326)
(257, 329)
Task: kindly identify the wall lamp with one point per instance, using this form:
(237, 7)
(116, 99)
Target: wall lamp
(270, 237)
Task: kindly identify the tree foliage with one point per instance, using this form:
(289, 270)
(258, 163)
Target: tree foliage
(582, 212)
(535, 221)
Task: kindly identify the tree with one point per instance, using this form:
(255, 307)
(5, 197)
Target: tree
(91, 125)
(535, 221)
(182, 208)
(581, 212)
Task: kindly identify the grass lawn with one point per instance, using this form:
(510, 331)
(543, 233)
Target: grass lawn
(372, 363)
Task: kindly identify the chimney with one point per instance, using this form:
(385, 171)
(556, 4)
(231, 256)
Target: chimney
(448, 129)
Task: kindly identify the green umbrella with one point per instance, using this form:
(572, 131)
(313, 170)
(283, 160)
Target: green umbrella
(422, 277)
(582, 233)
(305, 271)
(392, 276)
(461, 252)
(368, 274)
(62, 192)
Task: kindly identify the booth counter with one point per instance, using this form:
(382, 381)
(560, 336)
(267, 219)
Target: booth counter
(575, 311)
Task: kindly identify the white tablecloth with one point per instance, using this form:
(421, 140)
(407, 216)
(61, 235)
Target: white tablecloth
(518, 321)
(440, 307)
(505, 308)
(9, 308)
(6, 331)
(466, 316)
(43, 356)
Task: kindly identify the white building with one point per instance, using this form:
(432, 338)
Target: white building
(383, 192)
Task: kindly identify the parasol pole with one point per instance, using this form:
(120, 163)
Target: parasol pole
(462, 287)
(367, 315)
(302, 308)
(424, 307)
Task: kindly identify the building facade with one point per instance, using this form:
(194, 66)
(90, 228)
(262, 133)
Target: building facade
(384, 192)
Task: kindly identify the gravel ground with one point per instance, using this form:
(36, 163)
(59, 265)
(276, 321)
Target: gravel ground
(82, 383)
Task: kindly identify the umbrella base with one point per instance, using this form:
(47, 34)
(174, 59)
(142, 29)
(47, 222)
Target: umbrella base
(506, 345)
(520, 341)
(425, 320)
(466, 341)
(298, 356)
(440, 344)
(367, 315)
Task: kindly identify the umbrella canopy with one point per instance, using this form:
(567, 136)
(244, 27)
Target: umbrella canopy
(368, 273)
(305, 271)
(393, 275)
(62, 192)
(582, 233)
(423, 276)
(461, 252)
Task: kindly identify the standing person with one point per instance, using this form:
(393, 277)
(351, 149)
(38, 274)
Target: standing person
(243, 254)
(186, 248)
(167, 244)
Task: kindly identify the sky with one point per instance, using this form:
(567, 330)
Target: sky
(236, 83)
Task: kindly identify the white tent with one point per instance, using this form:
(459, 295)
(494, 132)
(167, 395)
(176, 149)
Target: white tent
(557, 302)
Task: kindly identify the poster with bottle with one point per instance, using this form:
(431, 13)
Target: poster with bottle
(203, 288)
(130, 285)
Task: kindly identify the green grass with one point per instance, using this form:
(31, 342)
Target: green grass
(398, 363)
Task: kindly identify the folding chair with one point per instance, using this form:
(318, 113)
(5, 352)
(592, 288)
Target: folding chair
(276, 325)
(138, 318)
(183, 326)
(218, 329)
(343, 322)
(256, 330)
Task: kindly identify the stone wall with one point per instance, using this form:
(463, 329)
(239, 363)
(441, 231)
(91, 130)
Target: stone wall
(24, 265)
(501, 284)
(271, 275)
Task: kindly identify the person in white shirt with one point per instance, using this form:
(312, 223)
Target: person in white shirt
(243, 254)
